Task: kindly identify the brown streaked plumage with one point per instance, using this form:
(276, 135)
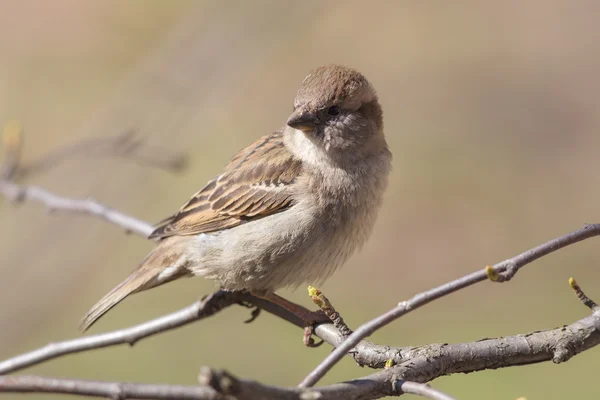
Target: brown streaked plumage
(288, 209)
(253, 185)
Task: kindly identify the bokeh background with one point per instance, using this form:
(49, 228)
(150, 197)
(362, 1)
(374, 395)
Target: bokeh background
(491, 110)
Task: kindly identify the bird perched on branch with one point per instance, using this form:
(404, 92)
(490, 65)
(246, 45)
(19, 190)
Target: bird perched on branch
(288, 209)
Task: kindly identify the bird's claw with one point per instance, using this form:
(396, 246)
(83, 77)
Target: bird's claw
(253, 314)
(311, 320)
(308, 339)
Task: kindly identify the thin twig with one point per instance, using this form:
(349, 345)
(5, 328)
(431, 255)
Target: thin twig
(589, 303)
(110, 390)
(423, 390)
(21, 193)
(512, 265)
(128, 145)
(325, 305)
(199, 310)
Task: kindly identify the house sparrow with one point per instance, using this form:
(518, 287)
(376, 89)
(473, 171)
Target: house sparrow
(288, 209)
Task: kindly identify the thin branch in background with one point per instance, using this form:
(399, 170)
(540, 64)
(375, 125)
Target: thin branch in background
(129, 145)
(12, 147)
(511, 265)
(54, 203)
(589, 303)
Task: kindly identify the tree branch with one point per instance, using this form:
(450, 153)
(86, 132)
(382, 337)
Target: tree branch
(423, 390)
(506, 269)
(199, 310)
(21, 193)
(220, 385)
(128, 145)
(112, 390)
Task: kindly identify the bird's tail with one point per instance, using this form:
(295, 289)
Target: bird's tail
(165, 263)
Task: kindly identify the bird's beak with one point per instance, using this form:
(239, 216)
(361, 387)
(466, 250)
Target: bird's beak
(303, 120)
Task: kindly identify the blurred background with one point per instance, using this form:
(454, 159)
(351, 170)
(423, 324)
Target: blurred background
(491, 110)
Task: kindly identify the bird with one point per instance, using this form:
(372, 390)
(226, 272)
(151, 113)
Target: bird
(288, 209)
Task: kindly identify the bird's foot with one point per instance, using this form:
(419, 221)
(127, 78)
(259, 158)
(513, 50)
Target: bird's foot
(309, 319)
(254, 313)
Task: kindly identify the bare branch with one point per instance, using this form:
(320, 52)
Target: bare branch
(213, 385)
(21, 193)
(111, 390)
(221, 385)
(423, 364)
(199, 310)
(507, 269)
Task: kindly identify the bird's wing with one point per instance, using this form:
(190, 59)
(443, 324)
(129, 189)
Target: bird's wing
(256, 183)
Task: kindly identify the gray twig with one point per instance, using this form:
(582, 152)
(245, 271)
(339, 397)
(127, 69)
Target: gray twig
(421, 389)
(21, 193)
(199, 310)
(585, 300)
(128, 145)
(214, 385)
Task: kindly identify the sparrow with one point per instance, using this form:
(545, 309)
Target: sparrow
(288, 209)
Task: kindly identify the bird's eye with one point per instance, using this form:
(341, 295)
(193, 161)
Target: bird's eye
(333, 110)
